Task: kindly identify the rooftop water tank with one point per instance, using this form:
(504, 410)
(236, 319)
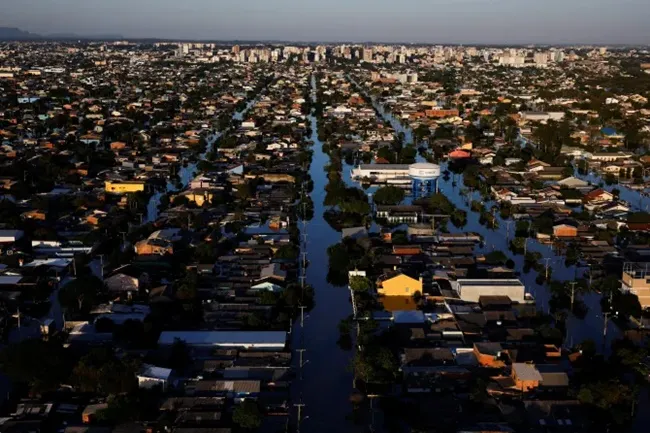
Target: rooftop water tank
(424, 171)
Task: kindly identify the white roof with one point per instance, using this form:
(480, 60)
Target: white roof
(270, 339)
(424, 166)
(54, 263)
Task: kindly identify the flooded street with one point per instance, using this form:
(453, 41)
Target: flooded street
(326, 381)
(188, 171)
(498, 239)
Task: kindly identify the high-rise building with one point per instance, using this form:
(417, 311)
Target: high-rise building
(367, 54)
(540, 58)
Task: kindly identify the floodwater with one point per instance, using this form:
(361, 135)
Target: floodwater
(188, 171)
(325, 384)
(578, 330)
(634, 198)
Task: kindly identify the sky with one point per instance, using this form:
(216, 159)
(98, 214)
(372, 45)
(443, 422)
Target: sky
(427, 21)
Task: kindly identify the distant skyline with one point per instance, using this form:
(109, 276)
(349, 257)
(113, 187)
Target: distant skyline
(427, 21)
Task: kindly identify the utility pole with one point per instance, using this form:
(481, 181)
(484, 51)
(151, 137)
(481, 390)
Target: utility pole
(508, 223)
(302, 316)
(573, 292)
(101, 265)
(525, 246)
(301, 361)
(547, 262)
(606, 318)
(372, 411)
(299, 406)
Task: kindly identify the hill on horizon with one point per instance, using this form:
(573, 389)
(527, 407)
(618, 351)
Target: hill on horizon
(16, 34)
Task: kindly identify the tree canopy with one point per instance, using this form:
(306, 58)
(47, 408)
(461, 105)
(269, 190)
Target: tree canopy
(100, 371)
(247, 415)
(80, 294)
(389, 195)
(41, 365)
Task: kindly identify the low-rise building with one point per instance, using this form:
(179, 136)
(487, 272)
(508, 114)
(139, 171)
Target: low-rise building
(471, 290)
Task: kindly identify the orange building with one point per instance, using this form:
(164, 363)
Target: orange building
(490, 355)
(565, 231)
(153, 246)
(439, 113)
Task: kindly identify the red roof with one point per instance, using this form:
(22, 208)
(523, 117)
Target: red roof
(638, 227)
(595, 194)
(406, 250)
(459, 153)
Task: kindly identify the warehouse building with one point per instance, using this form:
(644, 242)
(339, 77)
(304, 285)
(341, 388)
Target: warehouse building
(262, 340)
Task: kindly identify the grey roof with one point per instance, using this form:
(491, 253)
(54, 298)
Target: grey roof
(489, 348)
(249, 386)
(273, 270)
(384, 166)
(555, 379)
(151, 371)
(13, 234)
(526, 372)
(354, 232)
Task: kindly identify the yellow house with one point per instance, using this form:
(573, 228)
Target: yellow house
(400, 285)
(124, 186)
(199, 196)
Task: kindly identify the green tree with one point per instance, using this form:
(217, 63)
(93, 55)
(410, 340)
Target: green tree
(360, 284)
(247, 415)
(41, 365)
(288, 251)
(81, 294)
(187, 289)
(389, 195)
(101, 372)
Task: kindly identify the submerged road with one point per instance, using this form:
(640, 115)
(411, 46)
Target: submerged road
(498, 239)
(325, 385)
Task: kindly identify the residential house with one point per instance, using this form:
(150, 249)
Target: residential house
(598, 196)
(397, 291)
(151, 376)
(124, 186)
(636, 280)
(565, 231)
(490, 355)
